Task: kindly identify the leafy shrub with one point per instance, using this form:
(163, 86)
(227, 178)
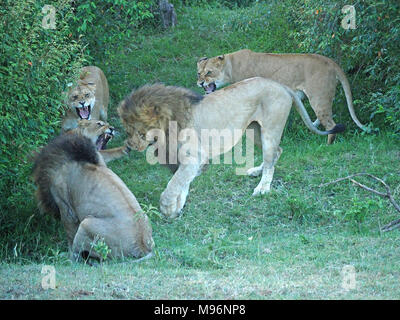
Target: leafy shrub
(105, 22)
(36, 64)
(368, 54)
(214, 3)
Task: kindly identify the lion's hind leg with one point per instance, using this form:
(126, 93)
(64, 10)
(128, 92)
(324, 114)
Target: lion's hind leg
(256, 171)
(322, 104)
(268, 169)
(270, 138)
(82, 247)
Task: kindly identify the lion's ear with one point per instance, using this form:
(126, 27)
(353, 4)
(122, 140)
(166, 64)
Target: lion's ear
(83, 75)
(221, 57)
(203, 58)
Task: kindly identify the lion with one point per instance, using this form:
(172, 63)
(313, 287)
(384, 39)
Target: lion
(310, 74)
(75, 185)
(88, 100)
(152, 108)
(100, 133)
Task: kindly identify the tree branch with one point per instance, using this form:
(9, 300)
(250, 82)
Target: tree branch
(388, 227)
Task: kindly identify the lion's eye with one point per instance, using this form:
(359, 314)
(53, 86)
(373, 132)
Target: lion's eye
(208, 73)
(87, 95)
(74, 97)
(99, 123)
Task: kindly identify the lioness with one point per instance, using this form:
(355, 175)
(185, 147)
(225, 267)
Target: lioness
(312, 74)
(89, 99)
(100, 133)
(74, 184)
(231, 109)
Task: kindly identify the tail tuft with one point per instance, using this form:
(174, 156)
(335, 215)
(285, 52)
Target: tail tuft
(338, 128)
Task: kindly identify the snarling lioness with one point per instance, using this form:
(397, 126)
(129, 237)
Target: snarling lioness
(312, 74)
(231, 109)
(74, 184)
(100, 133)
(89, 99)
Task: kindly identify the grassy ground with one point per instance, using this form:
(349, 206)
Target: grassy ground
(291, 243)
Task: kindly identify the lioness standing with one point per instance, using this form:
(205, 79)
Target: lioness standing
(312, 74)
(89, 99)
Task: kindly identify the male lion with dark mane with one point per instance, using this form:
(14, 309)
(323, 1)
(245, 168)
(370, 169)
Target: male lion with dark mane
(310, 74)
(75, 185)
(259, 100)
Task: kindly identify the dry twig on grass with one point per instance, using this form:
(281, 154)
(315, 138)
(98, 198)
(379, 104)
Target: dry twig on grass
(388, 227)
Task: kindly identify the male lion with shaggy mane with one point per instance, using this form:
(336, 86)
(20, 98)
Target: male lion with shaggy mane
(89, 99)
(74, 184)
(231, 109)
(310, 74)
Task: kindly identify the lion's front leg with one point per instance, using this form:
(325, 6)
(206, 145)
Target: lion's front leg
(172, 204)
(174, 196)
(115, 153)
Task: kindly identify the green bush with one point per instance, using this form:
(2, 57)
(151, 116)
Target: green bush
(36, 64)
(215, 3)
(101, 24)
(368, 54)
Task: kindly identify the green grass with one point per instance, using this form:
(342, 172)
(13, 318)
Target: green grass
(289, 244)
(292, 243)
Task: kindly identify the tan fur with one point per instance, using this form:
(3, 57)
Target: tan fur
(92, 89)
(93, 129)
(74, 183)
(152, 107)
(312, 74)
(255, 100)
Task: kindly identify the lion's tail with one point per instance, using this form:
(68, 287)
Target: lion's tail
(306, 118)
(347, 91)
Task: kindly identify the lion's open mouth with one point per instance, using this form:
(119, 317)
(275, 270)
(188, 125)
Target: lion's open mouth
(84, 112)
(103, 140)
(211, 87)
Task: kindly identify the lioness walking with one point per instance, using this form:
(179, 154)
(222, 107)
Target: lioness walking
(312, 74)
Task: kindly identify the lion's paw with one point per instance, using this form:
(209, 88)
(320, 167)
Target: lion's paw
(255, 172)
(261, 189)
(170, 206)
